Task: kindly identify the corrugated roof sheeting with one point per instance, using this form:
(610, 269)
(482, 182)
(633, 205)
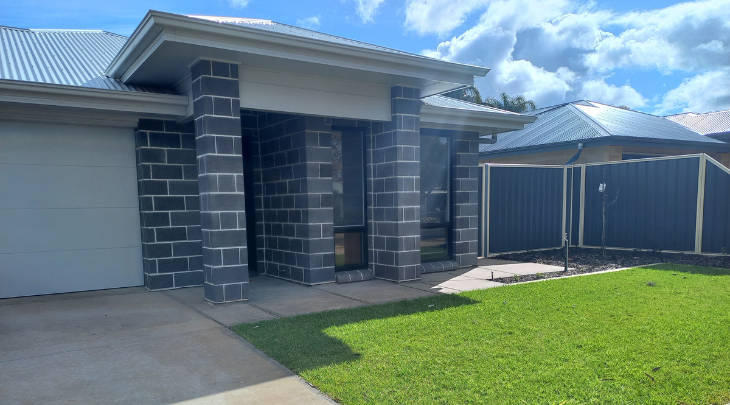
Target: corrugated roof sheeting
(66, 57)
(268, 25)
(448, 102)
(554, 125)
(585, 120)
(709, 123)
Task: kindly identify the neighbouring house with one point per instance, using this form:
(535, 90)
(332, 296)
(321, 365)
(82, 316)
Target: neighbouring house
(202, 150)
(601, 133)
(713, 124)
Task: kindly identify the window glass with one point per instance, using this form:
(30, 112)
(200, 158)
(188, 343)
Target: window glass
(434, 244)
(348, 179)
(434, 179)
(435, 199)
(348, 248)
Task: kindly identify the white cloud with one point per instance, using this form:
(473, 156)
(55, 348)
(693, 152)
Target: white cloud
(609, 94)
(705, 92)
(555, 51)
(239, 3)
(366, 9)
(439, 16)
(310, 23)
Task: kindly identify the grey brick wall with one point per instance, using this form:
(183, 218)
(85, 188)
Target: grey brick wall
(295, 181)
(167, 180)
(393, 189)
(216, 109)
(465, 197)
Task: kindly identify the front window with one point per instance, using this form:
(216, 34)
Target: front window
(435, 198)
(348, 187)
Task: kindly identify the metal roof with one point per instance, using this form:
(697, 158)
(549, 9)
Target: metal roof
(273, 26)
(67, 57)
(582, 121)
(448, 102)
(706, 124)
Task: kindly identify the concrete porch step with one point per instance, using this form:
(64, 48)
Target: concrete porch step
(351, 276)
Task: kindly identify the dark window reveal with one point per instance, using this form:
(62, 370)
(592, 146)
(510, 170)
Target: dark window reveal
(348, 188)
(435, 198)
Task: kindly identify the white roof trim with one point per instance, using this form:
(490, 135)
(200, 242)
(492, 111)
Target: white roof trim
(484, 122)
(129, 102)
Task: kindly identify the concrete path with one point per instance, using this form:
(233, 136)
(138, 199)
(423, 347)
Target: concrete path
(274, 298)
(131, 346)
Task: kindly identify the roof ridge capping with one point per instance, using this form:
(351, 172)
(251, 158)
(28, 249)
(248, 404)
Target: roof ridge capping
(232, 20)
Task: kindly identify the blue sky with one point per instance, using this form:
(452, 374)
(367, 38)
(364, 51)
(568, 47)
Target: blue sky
(656, 56)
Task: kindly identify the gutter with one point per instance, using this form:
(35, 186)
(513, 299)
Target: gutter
(484, 122)
(117, 101)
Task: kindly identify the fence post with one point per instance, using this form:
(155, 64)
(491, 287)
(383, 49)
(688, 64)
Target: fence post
(565, 199)
(699, 218)
(581, 221)
(487, 187)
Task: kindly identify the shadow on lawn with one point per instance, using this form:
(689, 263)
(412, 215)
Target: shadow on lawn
(301, 344)
(683, 268)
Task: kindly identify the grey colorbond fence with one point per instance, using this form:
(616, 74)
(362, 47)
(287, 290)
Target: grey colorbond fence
(675, 204)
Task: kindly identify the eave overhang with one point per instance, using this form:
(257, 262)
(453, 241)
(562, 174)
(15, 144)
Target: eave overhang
(114, 101)
(483, 122)
(164, 45)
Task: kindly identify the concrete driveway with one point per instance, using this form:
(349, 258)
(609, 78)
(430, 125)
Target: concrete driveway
(130, 346)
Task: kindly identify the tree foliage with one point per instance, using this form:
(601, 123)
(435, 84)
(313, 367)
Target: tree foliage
(504, 101)
(518, 104)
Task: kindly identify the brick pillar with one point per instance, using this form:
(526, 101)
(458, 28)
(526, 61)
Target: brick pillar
(296, 177)
(220, 180)
(168, 205)
(395, 186)
(465, 194)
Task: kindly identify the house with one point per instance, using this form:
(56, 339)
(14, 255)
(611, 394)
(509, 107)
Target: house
(202, 150)
(600, 133)
(713, 124)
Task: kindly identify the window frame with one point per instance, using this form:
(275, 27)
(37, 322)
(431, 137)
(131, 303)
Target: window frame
(362, 229)
(449, 198)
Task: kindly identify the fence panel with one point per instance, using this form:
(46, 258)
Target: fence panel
(525, 208)
(650, 204)
(573, 197)
(716, 218)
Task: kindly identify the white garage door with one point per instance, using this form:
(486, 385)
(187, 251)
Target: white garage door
(69, 217)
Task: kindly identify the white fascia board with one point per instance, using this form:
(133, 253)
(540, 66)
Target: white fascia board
(147, 104)
(251, 40)
(484, 122)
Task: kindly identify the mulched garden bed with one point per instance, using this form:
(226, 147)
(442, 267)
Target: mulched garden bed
(581, 261)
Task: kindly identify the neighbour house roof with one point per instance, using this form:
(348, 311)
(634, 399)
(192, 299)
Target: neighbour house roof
(565, 125)
(711, 123)
(66, 57)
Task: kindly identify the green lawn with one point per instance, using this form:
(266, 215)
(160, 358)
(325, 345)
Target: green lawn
(657, 335)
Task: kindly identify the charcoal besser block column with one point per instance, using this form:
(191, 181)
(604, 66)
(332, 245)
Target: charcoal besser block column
(395, 188)
(465, 194)
(220, 180)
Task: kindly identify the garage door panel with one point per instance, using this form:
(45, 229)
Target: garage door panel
(37, 186)
(49, 144)
(44, 230)
(80, 270)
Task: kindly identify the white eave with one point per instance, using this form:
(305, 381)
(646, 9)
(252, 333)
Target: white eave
(189, 39)
(91, 99)
(484, 122)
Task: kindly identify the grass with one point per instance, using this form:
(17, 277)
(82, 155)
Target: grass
(602, 339)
